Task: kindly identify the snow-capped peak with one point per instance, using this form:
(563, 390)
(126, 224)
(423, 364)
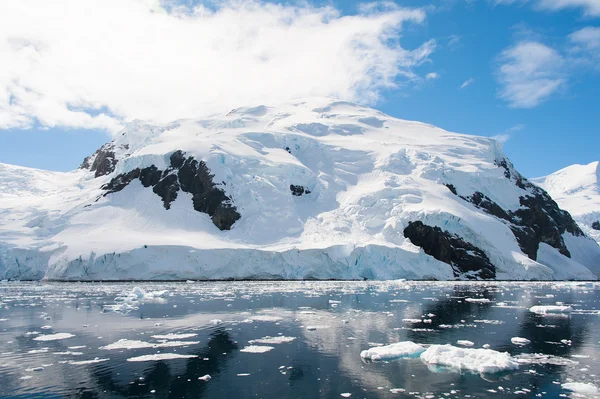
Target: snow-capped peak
(576, 188)
(314, 188)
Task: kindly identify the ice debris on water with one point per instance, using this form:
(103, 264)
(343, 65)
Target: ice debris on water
(272, 340)
(393, 351)
(468, 359)
(159, 356)
(205, 377)
(550, 309)
(53, 337)
(257, 349)
(520, 341)
(582, 388)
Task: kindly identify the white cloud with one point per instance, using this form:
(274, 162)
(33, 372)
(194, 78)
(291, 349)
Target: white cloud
(432, 76)
(467, 82)
(529, 73)
(505, 136)
(590, 8)
(587, 39)
(65, 61)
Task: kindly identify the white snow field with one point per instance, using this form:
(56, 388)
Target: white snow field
(360, 177)
(576, 188)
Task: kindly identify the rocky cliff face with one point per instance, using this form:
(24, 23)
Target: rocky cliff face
(576, 189)
(537, 220)
(183, 174)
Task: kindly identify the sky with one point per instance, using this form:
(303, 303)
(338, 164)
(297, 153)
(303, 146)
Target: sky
(526, 72)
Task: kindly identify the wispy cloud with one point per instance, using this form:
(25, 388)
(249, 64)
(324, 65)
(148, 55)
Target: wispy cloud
(432, 76)
(529, 73)
(586, 46)
(506, 135)
(467, 82)
(590, 8)
(142, 59)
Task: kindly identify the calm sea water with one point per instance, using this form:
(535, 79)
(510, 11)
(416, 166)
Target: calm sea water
(288, 339)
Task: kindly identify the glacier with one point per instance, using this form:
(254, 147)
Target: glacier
(576, 188)
(311, 189)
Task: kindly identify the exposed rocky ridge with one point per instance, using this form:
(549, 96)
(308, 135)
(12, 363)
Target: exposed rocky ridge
(188, 175)
(538, 220)
(467, 260)
(576, 189)
(103, 161)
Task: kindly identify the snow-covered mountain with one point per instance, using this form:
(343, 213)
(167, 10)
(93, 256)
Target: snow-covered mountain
(576, 188)
(310, 189)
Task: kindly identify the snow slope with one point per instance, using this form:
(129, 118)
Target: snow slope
(576, 188)
(310, 189)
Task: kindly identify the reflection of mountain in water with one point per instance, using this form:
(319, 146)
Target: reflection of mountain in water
(159, 377)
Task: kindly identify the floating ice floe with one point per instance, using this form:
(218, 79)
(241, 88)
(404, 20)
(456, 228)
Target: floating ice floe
(477, 300)
(582, 388)
(159, 356)
(550, 309)
(272, 340)
(520, 341)
(477, 360)
(205, 377)
(84, 362)
(53, 337)
(136, 344)
(393, 351)
(174, 336)
(540, 358)
(464, 342)
(257, 349)
(265, 317)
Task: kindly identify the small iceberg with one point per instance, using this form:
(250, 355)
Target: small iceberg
(483, 361)
(581, 388)
(53, 337)
(393, 351)
(159, 356)
(550, 309)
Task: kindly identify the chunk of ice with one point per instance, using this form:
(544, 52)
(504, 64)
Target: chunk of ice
(159, 356)
(477, 360)
(550, 309)
(393, 351)
(53, 337)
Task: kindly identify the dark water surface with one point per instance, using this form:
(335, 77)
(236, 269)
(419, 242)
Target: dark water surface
(317, 330)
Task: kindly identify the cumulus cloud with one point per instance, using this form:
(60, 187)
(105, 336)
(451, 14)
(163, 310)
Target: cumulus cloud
(529, 73)
(96, 63)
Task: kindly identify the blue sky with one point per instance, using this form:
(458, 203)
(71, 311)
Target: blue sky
(524, 71)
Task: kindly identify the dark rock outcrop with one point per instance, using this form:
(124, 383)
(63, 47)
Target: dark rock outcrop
(466, 259)
(188, 175)
(596, 225)
(299, 190)
(103, 161)
(451, 188)
(538, 220)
